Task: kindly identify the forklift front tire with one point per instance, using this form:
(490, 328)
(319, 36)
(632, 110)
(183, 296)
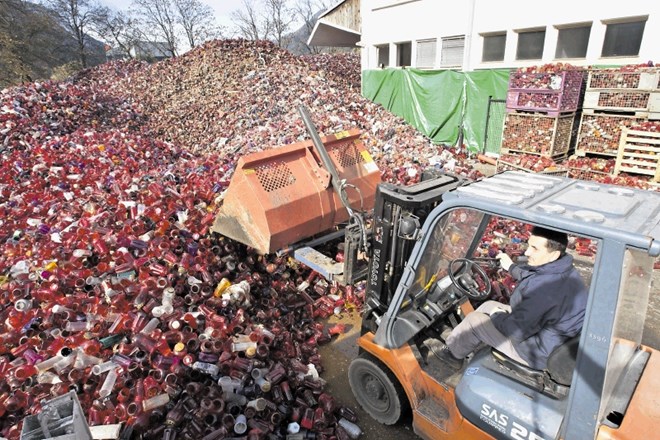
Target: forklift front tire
(377, 390)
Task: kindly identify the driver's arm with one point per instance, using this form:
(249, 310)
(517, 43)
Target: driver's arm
(516, 270)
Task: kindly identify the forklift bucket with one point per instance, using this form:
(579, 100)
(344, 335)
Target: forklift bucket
(282, 196)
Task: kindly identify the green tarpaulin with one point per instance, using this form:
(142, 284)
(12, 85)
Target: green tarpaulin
(435, 102)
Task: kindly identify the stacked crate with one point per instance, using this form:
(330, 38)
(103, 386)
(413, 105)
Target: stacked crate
(616, 99)
(541, 105)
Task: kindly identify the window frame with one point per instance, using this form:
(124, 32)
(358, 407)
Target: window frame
(443, 50)
(432, 57)
(573, 26)
(622, 21)
(521, 32)
(400, 54)
(379, 48)
(483, 46)
(435, 257)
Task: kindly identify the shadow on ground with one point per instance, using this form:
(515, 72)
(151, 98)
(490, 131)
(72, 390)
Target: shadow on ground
(337, 356)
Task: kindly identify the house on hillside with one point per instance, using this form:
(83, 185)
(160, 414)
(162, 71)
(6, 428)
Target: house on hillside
(150, 50)
(482, 34)
(113, 53)
(140, 50)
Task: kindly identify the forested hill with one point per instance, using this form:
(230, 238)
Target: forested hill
(34, 46)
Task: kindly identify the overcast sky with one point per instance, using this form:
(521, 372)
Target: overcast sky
(222, 8)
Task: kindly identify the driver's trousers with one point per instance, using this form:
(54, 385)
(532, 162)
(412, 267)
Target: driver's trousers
(477, 328)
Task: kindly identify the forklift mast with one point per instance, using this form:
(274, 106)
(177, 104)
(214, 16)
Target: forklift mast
(399, 212)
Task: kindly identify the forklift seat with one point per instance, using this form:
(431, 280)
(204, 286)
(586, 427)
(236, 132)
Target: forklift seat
(559, 370)
(561, 362)
(517, 367)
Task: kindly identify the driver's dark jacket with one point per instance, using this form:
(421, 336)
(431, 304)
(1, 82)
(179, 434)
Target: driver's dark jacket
(547, 308)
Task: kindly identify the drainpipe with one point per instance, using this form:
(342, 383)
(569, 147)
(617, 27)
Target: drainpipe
(467, 52)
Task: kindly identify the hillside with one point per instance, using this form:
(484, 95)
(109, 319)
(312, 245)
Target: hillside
(34, 47)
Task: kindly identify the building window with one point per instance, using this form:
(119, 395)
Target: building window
(623, 39)
(383, 52)
(452, 51)
(493, 49)
(403, 54)
(426, 53)
(530, 45)
(572, 42)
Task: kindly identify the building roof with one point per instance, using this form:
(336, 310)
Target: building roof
(328, 32)
(331, 8)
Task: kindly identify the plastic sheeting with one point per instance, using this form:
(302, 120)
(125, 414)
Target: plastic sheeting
(437, 102)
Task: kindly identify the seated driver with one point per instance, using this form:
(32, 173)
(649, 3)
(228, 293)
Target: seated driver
(546, 308)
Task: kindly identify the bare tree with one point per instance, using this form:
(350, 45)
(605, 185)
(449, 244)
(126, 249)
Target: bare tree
(308, 12)
(77, 16)
(249, 23)
(118, 28)
(197, 20)
(158, 18)
(282, 17)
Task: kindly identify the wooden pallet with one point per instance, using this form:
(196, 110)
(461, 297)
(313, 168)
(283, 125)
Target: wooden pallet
(639, 153)
(621, 112)
(551, 113)
(589, 153)
(556, 157)
(508, 166)
(586, 174)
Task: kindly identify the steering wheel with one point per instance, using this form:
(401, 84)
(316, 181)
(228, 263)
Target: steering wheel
(469, 278)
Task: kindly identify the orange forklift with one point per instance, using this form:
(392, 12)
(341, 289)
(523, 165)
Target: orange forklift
(601, 384)
(417, 263)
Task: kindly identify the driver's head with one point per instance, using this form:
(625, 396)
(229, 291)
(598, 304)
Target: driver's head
(545, 246)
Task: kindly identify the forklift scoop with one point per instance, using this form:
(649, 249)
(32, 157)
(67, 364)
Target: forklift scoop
(282, 196)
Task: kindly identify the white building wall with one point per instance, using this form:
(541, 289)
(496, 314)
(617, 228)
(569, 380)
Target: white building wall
(397, 21)
(512, 15)
(394, 21)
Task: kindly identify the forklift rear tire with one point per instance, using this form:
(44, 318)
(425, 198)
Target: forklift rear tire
(377, 390)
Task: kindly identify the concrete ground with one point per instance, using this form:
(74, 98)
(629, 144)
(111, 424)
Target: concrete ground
(336, 357)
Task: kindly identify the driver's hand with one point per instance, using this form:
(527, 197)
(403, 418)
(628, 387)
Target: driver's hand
(505, 260)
